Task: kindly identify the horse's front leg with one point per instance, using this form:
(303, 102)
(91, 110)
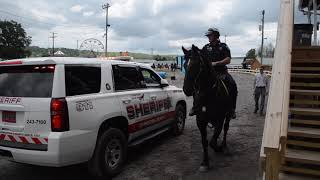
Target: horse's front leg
(202, 126)
(225, 131)
(216, 134)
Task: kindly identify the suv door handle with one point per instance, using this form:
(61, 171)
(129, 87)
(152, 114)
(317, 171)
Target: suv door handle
(126, 100)
(154, 97)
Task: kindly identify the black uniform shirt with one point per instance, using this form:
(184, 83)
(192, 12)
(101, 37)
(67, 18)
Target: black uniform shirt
(216, 53)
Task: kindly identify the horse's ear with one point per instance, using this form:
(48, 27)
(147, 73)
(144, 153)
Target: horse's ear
(185, 51)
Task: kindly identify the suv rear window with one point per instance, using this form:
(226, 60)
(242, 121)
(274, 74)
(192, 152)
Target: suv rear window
(26, 81)
(82, 79)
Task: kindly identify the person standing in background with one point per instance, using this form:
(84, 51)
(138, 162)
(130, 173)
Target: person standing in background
(260, 85)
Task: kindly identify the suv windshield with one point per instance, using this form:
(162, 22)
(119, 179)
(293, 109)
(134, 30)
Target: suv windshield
(26, 81)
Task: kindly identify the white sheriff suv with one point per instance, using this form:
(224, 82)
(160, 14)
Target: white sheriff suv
(59, 111)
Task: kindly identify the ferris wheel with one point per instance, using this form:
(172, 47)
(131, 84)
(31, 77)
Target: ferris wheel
(93, 45)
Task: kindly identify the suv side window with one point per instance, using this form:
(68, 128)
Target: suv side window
(126, 78)
(151, 79)
(82, 79)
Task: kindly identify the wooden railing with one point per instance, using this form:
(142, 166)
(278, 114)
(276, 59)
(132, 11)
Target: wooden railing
(276, 122)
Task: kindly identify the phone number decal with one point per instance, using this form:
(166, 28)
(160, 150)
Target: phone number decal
(31, 121)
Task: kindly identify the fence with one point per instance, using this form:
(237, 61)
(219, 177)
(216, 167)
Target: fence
(239, 69)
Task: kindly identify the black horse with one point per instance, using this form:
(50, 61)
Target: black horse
(203, 82)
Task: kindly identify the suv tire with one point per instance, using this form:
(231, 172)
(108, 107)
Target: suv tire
(110, 154)
(179, 122)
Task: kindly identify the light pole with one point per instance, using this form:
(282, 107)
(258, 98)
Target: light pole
(106, 7)
(262, 38)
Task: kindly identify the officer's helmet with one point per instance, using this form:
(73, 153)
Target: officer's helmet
(213, 31)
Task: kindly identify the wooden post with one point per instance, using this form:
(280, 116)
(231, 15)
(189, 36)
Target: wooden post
(283, 142)
(272, 164)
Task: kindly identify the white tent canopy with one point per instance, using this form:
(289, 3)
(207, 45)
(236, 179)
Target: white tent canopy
(59, 53)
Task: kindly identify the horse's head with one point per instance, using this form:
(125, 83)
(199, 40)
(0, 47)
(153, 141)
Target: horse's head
(193, 66)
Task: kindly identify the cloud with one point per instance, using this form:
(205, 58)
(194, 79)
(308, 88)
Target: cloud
(139, 25)
(88, 13)
(45, 16)
(76, 8)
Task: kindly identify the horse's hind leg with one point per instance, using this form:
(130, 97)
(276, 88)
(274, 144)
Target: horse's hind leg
(225, 131)
(202, 125)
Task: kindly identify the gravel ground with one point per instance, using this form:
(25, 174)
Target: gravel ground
(168, 157)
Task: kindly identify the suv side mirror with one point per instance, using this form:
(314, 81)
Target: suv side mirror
(164, 83)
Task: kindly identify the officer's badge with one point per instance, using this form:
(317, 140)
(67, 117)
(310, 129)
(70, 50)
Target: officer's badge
(209, 48)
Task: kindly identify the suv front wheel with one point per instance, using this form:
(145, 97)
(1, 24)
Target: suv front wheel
(179, 122)
(110, 154)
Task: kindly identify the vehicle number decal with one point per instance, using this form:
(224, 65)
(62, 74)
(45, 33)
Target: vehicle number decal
(84, 105)
(37, 121)
(10, 100)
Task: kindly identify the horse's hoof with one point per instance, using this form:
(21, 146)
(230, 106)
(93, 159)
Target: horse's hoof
(215, 147)
(203, 168)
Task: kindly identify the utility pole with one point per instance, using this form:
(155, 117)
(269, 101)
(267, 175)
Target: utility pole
(78, 47)
(315, 21)
(262, 38)
(225, 39)
(106, 7)
(53, 36)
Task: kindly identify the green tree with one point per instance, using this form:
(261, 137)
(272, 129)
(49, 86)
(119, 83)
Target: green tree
(268, 50)
(251, 53)
(13, 40)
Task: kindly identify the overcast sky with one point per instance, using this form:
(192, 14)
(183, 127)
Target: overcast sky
(139, 25)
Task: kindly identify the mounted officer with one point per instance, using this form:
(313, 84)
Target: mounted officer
(219, 54)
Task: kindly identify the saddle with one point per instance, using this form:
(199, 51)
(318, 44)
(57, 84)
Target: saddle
(222, 89)
(222, 93)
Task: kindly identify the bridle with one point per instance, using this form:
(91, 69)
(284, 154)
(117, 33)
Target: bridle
(196, 80)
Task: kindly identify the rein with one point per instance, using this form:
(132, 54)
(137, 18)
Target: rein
(196, 80)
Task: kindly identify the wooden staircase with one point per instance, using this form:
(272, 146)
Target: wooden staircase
(301, 158)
